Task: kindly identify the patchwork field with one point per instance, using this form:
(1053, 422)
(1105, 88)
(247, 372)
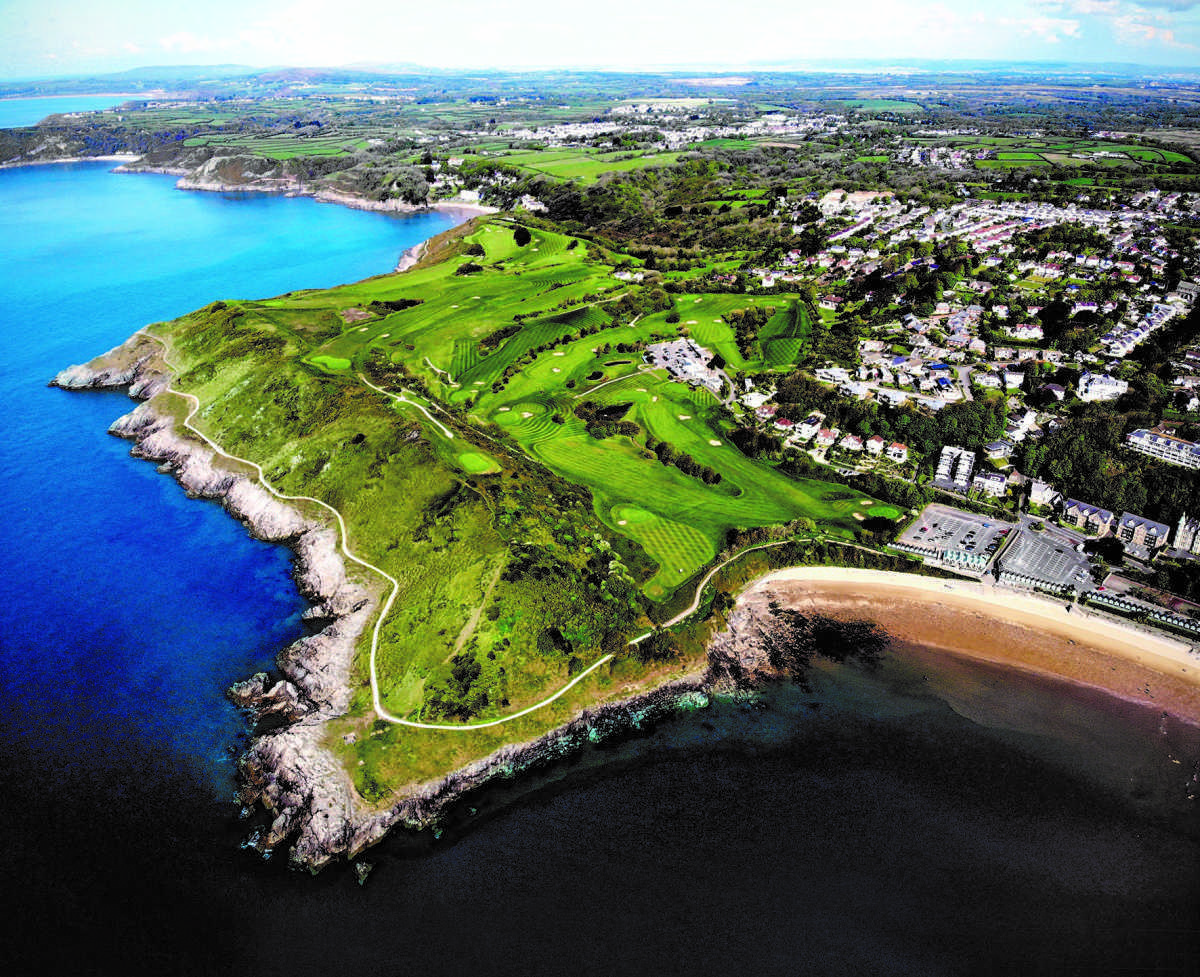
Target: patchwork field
(1014, 152)
(499, 344)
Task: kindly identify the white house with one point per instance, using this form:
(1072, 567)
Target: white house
(989, 483)
(1100, 386)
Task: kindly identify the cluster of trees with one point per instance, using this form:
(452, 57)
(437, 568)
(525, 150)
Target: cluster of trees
(668, 455)
(603, 422)
(394, 305)
(1087, 459)
(754, 442)
(747, 324)
(460, 694)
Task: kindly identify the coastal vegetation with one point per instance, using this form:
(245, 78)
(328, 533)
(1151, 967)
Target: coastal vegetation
(549, 521)
(535, 489)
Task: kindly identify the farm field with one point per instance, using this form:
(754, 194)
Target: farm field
(283, 146)
(583, 165)
(1012, 152)
(885, 105)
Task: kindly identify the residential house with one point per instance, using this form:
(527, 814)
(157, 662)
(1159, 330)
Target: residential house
(1100, 386)
(1089, 517)
(875, 445)
(826, 437)
(807, 429)
(897, 452)
(1138, 531)
(1044, 494)
(990, 483)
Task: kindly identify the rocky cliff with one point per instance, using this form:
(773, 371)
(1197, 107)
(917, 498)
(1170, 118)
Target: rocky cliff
(287, 770)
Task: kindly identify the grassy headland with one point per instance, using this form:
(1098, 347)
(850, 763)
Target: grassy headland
(504, 480)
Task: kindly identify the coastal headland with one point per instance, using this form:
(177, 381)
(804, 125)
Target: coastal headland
(484, 484)
(460, 544)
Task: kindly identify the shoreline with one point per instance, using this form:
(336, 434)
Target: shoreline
(1005, 628)
(463, 210)
(158, 93)
(121, 158)
(288, 771)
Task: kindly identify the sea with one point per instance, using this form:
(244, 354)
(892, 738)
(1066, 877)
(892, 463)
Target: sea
(926, 816)
(30, 111)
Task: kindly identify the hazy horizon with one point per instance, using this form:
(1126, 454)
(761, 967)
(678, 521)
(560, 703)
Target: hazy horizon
(73, 38)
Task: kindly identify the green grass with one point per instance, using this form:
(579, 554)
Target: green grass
(676, 547)
(597, 519)
(885, 105)
(330, 362)
(475, 463)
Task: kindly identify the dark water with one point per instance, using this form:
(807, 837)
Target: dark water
(934, 818)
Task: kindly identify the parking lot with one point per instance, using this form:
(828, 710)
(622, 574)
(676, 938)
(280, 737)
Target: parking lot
(1047, 558)
(941, 527)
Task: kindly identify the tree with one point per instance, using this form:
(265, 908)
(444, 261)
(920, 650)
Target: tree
(522, 236)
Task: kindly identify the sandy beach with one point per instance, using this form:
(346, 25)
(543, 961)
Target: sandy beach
(1002, 627)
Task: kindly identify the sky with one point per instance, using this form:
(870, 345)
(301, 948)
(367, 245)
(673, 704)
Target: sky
(70, 37)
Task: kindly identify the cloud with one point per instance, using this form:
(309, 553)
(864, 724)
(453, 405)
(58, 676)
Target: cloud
(1092, 8)
(1050, 30)
(1138, 29)
(1138, 23)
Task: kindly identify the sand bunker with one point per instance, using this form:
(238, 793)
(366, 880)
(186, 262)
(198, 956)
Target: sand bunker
(715, 443)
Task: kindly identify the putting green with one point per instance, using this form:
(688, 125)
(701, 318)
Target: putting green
(474, 463)
(330, 362)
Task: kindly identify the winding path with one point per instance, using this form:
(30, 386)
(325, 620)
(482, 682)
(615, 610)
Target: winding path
(394, 586)
(394, 590)
(401, 399)
(695, 604)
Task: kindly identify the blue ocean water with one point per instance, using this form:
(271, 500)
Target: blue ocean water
(980, 822)
(30, 111)
(103, 552)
